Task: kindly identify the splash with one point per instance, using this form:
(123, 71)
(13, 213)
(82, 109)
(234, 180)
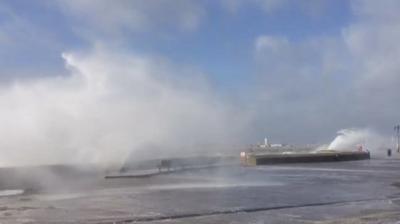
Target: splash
(353, 139)
(108, 106)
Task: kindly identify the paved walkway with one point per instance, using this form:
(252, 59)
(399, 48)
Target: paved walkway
(343, 192)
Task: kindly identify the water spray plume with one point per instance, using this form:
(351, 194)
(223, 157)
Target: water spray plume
(108, 106)
(352, 139)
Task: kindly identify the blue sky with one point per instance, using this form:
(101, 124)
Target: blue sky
(221, 44)
(234, 70)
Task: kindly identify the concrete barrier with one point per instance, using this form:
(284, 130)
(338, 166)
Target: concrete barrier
(254, 159)
(149, 168)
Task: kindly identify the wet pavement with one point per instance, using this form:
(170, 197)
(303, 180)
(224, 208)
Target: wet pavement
(295, 193)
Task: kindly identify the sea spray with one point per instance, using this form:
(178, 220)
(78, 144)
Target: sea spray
(354, 139)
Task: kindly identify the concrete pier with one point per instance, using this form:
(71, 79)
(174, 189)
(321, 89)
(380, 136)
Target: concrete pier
(254, 159)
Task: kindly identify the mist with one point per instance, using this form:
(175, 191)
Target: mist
(111, 105)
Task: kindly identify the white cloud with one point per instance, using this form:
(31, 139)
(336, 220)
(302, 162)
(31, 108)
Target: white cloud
(346, 80)
(386, 10)
(373, 43)
(271, 43)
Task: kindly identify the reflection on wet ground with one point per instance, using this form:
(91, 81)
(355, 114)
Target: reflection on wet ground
(232, 194)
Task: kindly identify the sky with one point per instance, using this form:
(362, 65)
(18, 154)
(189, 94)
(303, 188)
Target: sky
(194, 71)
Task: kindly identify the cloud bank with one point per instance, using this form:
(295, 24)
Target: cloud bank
(326, 82)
